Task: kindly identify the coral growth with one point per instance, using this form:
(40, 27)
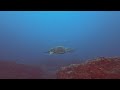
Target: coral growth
(99, 68)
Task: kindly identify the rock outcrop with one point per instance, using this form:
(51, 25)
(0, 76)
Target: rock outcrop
(99, 68)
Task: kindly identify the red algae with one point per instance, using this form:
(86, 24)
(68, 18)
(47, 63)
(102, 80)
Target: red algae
(12, 70)
(99, 68)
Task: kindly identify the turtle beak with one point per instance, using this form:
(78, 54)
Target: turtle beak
(50, 53)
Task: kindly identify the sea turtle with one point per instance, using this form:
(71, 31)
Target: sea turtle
(59, 50)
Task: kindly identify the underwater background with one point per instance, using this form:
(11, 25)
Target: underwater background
(25, 36)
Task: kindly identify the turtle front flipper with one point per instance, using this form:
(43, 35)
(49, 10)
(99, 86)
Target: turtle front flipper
(69, 50)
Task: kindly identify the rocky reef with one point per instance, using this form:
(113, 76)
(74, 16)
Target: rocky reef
(98, 68)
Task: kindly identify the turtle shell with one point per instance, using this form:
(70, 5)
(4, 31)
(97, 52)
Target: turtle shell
(58, 50)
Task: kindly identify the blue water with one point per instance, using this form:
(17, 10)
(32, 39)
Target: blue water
(26, 35)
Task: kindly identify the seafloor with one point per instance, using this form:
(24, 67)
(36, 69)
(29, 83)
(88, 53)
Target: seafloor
(98, 68)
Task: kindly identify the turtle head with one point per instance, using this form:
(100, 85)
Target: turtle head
(51, 52)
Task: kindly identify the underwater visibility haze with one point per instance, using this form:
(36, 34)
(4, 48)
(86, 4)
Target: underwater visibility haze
(25, 36)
